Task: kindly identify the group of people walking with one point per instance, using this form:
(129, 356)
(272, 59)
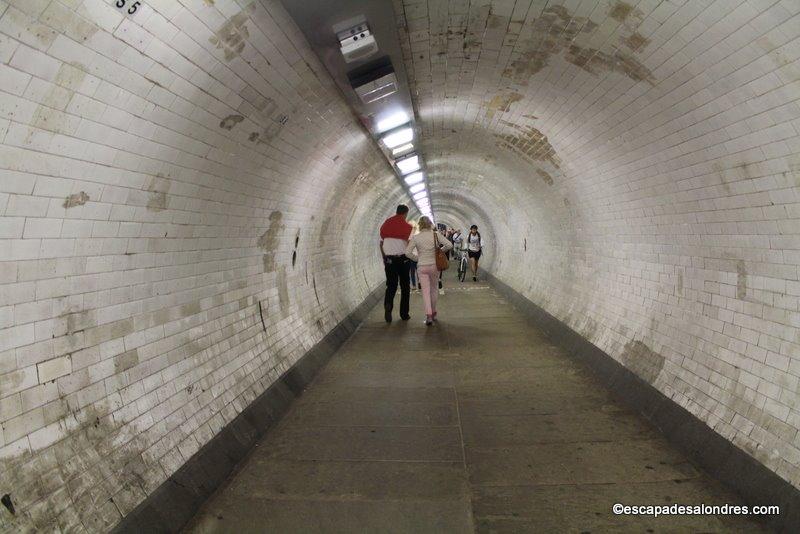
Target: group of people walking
(401, 250)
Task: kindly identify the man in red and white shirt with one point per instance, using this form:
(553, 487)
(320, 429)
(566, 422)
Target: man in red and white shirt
(395, 232)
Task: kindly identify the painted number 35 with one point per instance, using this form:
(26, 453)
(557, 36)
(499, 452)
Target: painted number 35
(132, 6)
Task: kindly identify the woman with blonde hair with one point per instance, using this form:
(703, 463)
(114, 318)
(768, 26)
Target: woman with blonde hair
(425, 243)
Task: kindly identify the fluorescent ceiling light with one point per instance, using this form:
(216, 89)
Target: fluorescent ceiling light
(416, 188)
(409, 164)
(401, 149)
(399, 137)
(420, 195)
(392, 121)
(414, 178)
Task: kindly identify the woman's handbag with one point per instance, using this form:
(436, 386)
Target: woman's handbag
(441, 259)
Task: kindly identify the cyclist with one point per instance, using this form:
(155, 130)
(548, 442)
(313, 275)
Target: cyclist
(474, 248)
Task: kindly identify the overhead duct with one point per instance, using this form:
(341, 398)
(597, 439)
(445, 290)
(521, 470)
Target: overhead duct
(374, 81)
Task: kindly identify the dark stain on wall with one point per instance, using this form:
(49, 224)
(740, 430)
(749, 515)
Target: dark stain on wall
(158, 188)
(544, 175)
(101, 479)
(269, 240)
(741, 280)
(496, 21)
(590, 328)
(230, 121)
(8, 503)
(126, 360)
(294, 252)
(501, 103)
(283, 289)
(642, 360)
(366, 282)
(314, 283)
(593, 61)
(77, 199)
(233, 34)
(78, 321)
(636, 41)
(556, 31)
(261, 316)
(620, 11)
(746, 169)
(530, 143)
(720, 172)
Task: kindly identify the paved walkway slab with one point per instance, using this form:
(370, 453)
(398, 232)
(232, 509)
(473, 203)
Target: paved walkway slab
(476, 424)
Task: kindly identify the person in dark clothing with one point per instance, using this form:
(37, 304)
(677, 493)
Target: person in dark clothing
(474, 249)
(449, 236)
(395, 232)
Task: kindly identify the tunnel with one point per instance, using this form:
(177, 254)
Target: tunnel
(193, 332)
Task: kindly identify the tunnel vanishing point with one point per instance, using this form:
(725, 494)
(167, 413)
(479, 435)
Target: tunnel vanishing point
(191, 334)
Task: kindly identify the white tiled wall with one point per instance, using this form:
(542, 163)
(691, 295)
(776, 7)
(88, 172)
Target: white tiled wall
(635, 170)
(150, 199)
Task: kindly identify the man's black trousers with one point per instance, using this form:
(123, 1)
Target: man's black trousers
(397, 270)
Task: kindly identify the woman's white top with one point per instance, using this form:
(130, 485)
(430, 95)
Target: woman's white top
(474, 243)
(424, 244)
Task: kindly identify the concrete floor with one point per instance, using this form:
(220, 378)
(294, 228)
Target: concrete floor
(475, 424)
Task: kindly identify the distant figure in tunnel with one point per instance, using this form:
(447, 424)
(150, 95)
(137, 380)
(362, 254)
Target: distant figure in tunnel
(395, 232)
(457, 239)
(474, 247)
(425, 243)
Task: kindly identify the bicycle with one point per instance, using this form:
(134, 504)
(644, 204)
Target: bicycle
(463, 265)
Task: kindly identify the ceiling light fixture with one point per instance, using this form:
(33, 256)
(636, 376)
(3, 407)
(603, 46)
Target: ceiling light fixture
(401, 149)
(409, 164)
(392, 121)
(414, 178)
(398, 137)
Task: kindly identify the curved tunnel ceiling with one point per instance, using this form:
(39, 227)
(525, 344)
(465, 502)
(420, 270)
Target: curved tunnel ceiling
(188, 205)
